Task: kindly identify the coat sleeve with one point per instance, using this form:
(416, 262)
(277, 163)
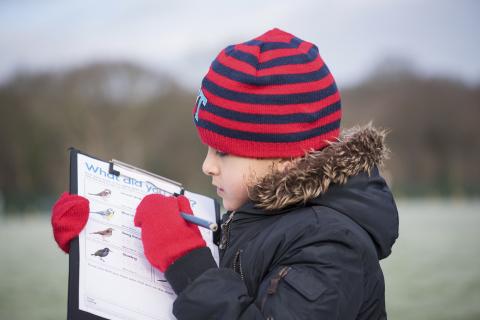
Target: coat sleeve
(319, 280)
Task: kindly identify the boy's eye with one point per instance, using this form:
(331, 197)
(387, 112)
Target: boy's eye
(220, 153)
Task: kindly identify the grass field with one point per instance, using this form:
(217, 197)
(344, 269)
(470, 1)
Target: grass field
(433, 273)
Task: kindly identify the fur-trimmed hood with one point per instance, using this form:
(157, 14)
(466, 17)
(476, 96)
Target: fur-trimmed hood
(343, 176)
(358, 149)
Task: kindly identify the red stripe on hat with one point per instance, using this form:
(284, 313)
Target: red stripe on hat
(293, 128)
(252, 149)
(304, 87)
(311, 66)
(275, 35)
(270, 108)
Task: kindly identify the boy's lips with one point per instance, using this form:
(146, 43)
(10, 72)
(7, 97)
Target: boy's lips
(218, 188)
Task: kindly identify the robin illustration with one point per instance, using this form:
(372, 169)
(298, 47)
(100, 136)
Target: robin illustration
(102, 253)
(108, 213)
(104, 233)
(104, 194)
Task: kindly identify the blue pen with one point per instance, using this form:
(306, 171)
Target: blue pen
(196, 220)
(199, 222)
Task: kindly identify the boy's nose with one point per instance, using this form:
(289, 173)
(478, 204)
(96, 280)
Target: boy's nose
(209, 167)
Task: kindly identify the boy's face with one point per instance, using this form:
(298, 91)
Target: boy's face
(232, 175)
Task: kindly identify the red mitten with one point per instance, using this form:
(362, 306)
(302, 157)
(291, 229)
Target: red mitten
(69, 216)
(166, 236)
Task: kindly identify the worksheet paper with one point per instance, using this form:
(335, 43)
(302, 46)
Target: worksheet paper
(115, 279)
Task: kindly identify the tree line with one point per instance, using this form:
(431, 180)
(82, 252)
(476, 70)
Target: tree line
(126, 112)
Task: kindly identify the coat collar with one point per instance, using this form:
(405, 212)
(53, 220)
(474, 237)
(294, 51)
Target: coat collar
(343, 176)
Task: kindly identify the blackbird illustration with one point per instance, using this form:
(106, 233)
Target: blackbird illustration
(108, 213)
(104, 233)
(105, 193)
(102, 253)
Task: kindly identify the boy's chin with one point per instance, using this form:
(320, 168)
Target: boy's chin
(230, 205)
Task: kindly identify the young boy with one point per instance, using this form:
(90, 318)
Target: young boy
(309, 216)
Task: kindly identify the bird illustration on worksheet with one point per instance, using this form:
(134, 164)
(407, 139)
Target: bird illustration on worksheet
(102, 253)
(104, 233)
(104, 194)
(107, 213)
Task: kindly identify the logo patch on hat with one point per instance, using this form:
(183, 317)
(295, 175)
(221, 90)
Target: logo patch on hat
(201, 101)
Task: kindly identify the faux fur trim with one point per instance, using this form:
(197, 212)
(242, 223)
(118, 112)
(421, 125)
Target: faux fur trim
(357, 149)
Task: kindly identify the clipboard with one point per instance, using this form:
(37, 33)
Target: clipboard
(73, 310)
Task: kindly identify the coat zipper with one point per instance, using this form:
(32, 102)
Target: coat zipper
(237, 260)
(225, 227)
(237, 264)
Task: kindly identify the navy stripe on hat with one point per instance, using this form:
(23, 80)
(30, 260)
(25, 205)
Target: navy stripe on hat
(277, 99)
(271, 118)
(249, 58)
(267, 46)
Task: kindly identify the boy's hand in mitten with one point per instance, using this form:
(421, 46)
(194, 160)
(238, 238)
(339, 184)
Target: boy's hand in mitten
(69, 216)
(166, 236)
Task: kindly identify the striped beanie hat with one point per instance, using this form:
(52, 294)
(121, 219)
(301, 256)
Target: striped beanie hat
(270, 97)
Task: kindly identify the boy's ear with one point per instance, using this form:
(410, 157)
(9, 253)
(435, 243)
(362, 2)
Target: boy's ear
(286, 163)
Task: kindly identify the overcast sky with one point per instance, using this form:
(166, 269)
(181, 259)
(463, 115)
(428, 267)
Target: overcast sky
(182, 37)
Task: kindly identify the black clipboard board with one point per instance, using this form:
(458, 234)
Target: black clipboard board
(73, 311)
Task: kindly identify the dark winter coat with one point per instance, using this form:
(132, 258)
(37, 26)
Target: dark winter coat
(307, 247)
